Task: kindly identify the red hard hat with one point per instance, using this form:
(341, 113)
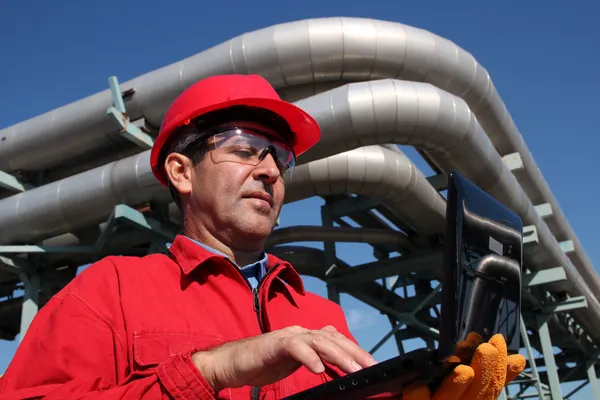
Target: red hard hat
(221, 91)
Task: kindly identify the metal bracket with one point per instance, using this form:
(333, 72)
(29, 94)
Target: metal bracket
(351, 205)
(7, 181)
(12, 265)
(572, 303)
(513, 161)
(544, 210)
(567, 246)
(530, 235)
(132, 217)
(439, 181)
(128, 129)
(544, 276)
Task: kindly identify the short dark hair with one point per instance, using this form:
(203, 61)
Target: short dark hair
(190, 140)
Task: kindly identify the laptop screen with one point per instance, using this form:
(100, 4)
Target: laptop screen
(483, 263)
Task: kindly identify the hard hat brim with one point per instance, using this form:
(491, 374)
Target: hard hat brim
(304, 127)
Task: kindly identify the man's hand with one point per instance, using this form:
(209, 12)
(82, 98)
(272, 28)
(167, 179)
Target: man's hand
(270, 357)
(489, 371)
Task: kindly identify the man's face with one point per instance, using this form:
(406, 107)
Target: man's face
(238, 202)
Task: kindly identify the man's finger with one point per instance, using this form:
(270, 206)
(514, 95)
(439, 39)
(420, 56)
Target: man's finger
(466, 348)
(499, 368)
(294, 329)
(330, 351)
(482, 363)
(515, 364)
(455, 384)
(303, 353)
(361, 356)
(330, 328)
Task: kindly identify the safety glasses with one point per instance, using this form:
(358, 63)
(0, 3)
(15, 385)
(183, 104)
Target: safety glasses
(250, 146)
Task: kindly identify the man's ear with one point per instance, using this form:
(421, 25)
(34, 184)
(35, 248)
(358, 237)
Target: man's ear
(179, 169)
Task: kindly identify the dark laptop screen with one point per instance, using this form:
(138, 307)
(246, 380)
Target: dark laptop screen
(487, 250)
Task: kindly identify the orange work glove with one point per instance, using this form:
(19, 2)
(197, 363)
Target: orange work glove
(489, 371)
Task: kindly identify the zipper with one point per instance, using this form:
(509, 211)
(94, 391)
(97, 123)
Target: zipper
(255, 391)
(257, 309)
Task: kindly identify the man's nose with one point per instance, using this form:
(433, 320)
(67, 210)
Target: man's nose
(267, 169)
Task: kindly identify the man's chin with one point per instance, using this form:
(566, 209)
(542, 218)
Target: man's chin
(256, 231)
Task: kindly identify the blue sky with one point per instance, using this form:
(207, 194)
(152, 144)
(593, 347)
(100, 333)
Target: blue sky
(542, 56)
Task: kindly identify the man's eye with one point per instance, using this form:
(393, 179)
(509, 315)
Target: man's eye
(244, 151)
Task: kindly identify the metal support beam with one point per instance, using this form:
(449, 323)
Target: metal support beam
(12, 265)
(569, 304)
(400, 266)
(386, 337)
(439, 181)
(532, 365)
(9, 182)
(127, 215)
(591, 373)
(333, 292)
(31, 300)
(544, 276)
(546, 344)
(577, 389)
(351, 205)
(128, 129)
(404, 318)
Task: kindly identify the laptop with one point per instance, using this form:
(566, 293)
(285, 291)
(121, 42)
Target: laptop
(481, 292)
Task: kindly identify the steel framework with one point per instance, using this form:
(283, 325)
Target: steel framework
(373, 194)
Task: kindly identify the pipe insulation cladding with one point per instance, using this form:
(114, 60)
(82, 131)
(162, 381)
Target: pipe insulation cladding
(307, 52)
(351, 117)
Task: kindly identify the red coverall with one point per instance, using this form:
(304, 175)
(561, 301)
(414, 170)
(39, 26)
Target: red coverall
(126, 326)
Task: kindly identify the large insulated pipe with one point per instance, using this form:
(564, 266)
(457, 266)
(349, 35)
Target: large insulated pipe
(85, 199)
(426, 117)
(359, 114)
(331, 50)
(377, 172)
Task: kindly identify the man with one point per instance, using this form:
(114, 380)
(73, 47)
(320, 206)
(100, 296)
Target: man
(217, 317)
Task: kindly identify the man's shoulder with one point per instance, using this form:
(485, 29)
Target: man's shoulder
(117, 263)
(107, 271)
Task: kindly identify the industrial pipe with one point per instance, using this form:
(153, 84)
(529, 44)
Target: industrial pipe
(330, 50)
(387, 111)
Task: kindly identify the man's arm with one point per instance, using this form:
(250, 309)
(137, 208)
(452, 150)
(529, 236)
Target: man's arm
(74, 349)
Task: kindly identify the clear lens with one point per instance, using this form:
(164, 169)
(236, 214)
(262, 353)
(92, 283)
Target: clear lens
(250, 147)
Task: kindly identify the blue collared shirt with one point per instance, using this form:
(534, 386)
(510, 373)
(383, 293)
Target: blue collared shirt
(253, 272)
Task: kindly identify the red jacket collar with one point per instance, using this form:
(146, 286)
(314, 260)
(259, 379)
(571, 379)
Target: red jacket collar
(190, 256)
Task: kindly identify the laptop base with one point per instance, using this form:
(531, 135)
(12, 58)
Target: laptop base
(394, 375)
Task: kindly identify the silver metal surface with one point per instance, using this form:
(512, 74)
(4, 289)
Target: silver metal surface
(377, 172)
